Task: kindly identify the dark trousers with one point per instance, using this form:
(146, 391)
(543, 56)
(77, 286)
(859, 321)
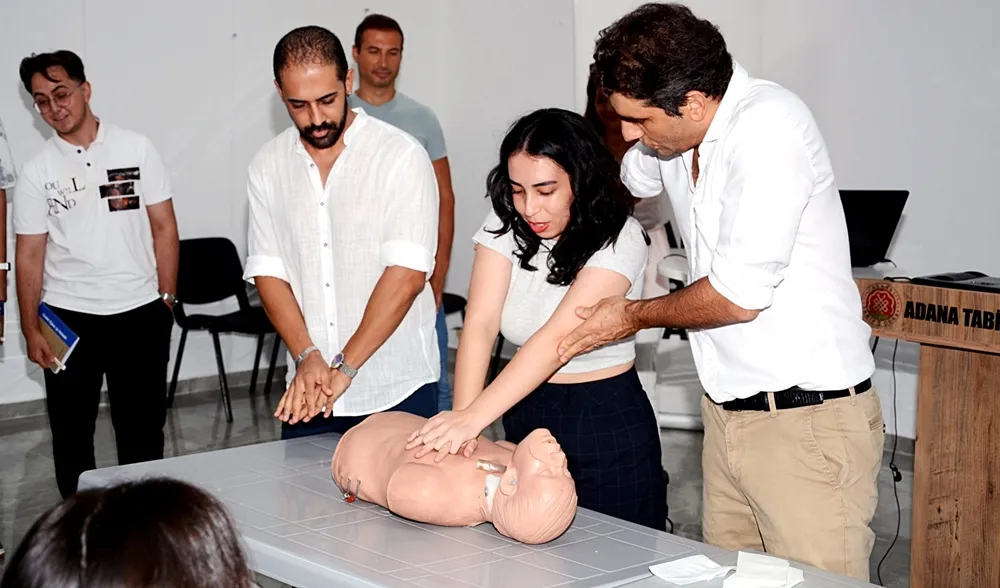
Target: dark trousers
(423, 402)
(612, 443)
(132, 349)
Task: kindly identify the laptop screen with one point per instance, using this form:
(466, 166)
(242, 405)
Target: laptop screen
(872, 217)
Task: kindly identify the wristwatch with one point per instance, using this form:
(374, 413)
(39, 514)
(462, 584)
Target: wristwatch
(4, 266)
(168, 297)
(338, 364)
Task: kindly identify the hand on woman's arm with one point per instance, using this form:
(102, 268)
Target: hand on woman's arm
(532, 365)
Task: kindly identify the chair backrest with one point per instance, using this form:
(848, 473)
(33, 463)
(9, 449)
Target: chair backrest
(210, 270)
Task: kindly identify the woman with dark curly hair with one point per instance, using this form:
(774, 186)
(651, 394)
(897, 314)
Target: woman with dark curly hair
(560, 237)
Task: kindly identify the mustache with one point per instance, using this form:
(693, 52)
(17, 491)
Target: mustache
(325, 126)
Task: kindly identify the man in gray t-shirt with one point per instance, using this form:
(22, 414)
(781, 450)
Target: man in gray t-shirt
(378, 52)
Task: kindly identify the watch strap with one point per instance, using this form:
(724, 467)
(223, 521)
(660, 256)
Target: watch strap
(5, 266)
(338, 364)
(303, 355)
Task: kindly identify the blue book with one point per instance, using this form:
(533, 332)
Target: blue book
(61, 339)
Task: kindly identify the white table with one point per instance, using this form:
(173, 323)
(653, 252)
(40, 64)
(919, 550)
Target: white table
(298, 530)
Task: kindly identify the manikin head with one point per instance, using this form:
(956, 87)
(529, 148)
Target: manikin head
(665, 71)
(536, 500)
(313, 80)
(59, 87)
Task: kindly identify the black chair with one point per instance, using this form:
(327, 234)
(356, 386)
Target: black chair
(209, 271)
(453, 303)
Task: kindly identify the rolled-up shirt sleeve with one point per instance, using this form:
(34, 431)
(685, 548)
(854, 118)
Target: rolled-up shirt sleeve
(641, 172)
(410, 231)
(263, 258)
(770, 182)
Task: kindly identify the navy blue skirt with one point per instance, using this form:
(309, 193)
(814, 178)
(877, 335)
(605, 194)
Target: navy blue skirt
(612, 442)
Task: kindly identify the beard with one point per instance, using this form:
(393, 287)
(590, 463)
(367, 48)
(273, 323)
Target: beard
(334, 130)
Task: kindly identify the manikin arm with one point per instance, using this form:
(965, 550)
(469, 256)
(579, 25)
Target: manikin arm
(421, 492)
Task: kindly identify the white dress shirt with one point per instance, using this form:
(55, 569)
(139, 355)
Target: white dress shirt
(765, 224)
(331, 243)
(99, 256)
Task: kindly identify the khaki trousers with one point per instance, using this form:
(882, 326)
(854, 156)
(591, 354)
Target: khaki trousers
(797, 483)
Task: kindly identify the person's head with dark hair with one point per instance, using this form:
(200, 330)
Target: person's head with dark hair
(378, 51)
(603, 117)
(665, 71)
(557, 182)
(58, 84)
(313, 80)
(156, 532)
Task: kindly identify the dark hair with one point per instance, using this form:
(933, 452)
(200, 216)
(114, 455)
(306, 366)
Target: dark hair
(156, 532)
(309, 44)
(659, 52)
(40, 63)
(600, 205)
(377, 22)
(590, 113)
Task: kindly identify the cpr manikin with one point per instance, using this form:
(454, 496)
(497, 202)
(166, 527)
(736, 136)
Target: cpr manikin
(524, 490)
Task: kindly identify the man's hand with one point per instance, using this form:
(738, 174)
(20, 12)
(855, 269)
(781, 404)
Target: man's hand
(312, 378)
(39, 351)
(339, 383)
(437, 286)
(608, 321)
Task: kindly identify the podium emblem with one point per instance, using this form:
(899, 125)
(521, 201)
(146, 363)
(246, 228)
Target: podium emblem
(881, 305)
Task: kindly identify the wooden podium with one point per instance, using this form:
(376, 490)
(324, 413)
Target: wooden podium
(956, 470)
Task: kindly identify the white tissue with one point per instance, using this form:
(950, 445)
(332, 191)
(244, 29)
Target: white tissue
(689, 570)
(762, 571)
(752, 571)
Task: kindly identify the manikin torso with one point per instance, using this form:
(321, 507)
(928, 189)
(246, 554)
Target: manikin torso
(454, 491)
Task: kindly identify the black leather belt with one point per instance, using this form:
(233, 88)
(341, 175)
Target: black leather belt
(793, 398)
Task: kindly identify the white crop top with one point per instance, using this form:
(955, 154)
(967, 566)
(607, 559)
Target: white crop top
(531, 299)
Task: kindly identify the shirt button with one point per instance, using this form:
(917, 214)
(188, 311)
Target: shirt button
(79, 150)
(322, 203)
(328, 284)
(88, 164)
(331, 324)
(326, 244)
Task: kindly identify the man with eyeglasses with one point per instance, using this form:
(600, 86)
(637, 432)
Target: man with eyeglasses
(97, 243)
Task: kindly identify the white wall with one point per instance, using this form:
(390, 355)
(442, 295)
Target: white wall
(196, 78)
(905, 93)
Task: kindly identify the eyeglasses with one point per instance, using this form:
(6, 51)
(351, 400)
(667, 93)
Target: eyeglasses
(61, 98)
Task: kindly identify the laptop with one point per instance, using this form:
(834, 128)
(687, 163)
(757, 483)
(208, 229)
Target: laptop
(872, 217)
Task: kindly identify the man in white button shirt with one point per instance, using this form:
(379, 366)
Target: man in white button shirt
(343, 231)
(97, 242)
(793, 428)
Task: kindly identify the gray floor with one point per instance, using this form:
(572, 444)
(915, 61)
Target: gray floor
(197, 423)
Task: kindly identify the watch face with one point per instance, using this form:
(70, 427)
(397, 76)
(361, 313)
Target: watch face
(338, 359)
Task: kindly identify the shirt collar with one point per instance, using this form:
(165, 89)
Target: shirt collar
(67, 148)
(738, 85)
(360, 120)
